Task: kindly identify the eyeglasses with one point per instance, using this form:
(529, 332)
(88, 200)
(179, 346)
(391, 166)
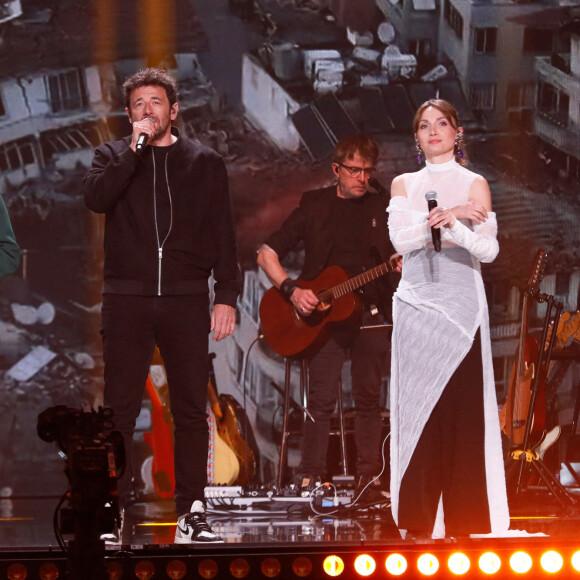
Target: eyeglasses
(356, 171)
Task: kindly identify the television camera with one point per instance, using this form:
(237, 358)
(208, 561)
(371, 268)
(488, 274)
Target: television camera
(95, 459)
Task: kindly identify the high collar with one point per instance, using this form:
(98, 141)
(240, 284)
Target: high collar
(440, 167)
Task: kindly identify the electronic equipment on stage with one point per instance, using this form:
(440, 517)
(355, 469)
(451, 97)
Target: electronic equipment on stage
(266, 499)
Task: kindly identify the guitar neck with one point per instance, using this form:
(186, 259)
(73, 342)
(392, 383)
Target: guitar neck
(532, 290)
(523, 334)
(214, 400)
(353, 283)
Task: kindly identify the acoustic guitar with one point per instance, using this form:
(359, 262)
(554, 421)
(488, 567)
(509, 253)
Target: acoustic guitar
(568, 325)
(515, 412)
(222, 464)
(289, 333)
(233, 428)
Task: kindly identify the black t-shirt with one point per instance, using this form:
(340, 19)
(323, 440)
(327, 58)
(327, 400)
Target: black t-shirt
(162, 194)
(351, 248)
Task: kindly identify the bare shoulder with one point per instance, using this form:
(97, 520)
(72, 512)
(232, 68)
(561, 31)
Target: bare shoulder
(398, 186)
(479, 192)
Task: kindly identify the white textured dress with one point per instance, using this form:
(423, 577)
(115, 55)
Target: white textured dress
(437, 309)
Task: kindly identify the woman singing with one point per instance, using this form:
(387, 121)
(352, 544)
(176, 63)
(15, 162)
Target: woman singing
(447, 472)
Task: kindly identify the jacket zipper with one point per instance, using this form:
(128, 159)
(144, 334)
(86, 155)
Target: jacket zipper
(160, 244)
(159, 262)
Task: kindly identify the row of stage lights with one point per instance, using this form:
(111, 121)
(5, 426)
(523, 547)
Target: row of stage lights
(458, 563)
(314, 567)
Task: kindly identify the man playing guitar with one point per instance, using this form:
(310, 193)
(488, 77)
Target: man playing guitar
(341, 225)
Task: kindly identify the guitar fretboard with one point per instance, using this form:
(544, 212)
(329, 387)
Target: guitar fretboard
(353, 283)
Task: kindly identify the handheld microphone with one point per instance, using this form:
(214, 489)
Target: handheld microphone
(431, 197)
(142, 141)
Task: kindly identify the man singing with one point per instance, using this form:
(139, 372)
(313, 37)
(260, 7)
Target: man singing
(169, 226)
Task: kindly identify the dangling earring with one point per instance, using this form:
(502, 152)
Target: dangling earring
(459, 144)
(419, 152)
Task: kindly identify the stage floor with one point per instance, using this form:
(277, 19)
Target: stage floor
(26, 522)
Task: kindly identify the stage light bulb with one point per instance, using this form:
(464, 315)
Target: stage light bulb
(271, 567)
(396, 564)
(302, 567)
(16, 571)
(239, 568)
(176, 570)
(552, 562)
(145, 570)
(333, 565)
(114, 570)
(458, 563)
(576, 561)
(489, 563)
(427, 564)
(521, 562)
(207, 569)
(365, 565)
(48, 571)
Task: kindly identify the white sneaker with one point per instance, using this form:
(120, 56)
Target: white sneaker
(115, 536)
(193, 529)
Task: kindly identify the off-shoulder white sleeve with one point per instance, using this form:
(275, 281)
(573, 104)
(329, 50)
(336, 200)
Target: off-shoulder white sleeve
(408, 228)
(481, 242)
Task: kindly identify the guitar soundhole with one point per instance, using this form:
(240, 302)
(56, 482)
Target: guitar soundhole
(315, 318)
(321, 312)
(325, 302)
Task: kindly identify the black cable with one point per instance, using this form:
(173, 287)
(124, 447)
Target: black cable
(244, 393)
(55, 525)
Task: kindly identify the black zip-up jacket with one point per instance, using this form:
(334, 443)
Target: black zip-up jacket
(201, 239)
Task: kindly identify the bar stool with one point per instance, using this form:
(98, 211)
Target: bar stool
(304, 397)
(288, 401)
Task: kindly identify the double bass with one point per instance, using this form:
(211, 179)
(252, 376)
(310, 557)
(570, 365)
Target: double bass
(516, 411)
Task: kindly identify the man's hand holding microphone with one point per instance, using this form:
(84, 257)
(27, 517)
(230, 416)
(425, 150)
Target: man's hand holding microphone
(143, 133)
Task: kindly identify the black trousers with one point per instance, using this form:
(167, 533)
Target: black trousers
(369, 350)
(449, 460)
(131, 328)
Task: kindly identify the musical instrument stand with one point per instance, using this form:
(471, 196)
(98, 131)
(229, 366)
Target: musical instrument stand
(526, 455)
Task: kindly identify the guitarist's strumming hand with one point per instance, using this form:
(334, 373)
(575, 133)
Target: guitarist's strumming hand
(305, 301)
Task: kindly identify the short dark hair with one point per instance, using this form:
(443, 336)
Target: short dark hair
(148, 77)
(359, 143)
